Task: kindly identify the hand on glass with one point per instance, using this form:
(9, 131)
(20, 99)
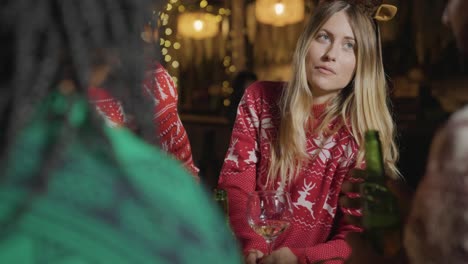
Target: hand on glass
(269, 214)
(280, 256)
(254, 256)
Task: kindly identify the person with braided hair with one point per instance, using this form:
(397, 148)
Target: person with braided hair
(170, 132)
(306, 135)
(73, 190)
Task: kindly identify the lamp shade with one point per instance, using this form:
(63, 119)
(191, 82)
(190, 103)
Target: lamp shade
(197, 25)
(279, 12)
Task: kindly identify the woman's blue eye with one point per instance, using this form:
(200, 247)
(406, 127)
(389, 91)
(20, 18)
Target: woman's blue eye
(323, 36)
(349, 45)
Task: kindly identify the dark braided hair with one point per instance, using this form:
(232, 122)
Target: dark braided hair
(44, 42)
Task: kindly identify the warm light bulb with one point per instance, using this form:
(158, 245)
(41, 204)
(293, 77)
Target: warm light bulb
(203, 3)
(198, 25)
(279, 9)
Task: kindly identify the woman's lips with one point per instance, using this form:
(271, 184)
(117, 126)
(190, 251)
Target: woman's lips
(325, 70)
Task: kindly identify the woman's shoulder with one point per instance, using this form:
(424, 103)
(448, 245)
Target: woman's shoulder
(459, 118)
(447, 166)
(344, 136)
(454, 134)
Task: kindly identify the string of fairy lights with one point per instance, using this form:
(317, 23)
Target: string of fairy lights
(168, 40)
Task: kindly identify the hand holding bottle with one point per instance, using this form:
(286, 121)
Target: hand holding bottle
(379, 199)
(351, 200)
(363, 252)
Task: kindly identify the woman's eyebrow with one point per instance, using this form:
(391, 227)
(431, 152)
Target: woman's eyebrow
(333, 35)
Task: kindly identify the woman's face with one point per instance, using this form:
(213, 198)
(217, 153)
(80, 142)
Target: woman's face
(331, 58)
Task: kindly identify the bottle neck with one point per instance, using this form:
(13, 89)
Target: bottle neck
(374, 161)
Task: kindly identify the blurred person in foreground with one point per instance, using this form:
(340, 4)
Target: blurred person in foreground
(160, 88)
(71, 189)
(436, 229)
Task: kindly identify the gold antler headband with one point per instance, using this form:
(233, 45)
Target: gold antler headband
(375, 9)
(385, 12)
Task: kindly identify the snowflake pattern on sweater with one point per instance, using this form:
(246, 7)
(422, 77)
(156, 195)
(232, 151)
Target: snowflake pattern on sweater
(317, 231)
(159, 86)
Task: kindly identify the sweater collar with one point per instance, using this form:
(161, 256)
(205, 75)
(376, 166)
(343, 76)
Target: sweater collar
(318, 109)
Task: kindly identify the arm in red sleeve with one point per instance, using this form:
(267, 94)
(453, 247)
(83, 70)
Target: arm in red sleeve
(336, 250)
(109, 108)
(239, 172)
(170, 130)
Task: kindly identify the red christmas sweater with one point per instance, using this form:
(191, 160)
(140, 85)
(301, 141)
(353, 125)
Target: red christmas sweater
(170, 132)
(317, 231)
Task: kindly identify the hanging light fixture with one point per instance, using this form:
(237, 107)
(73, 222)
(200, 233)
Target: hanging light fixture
(197, 25)
(279, 12)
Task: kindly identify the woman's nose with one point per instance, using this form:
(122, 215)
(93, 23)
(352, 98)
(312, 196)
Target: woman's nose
(331, 54)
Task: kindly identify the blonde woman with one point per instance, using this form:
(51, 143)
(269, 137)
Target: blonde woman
(306, 135)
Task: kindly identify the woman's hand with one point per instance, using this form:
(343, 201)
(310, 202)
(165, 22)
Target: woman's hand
(280, 256)
(254, 256)
(350, 202)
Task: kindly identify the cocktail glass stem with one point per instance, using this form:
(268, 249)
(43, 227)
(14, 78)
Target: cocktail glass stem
(269, 245)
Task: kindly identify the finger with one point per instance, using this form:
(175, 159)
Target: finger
(267, 260)
(349, 186)
(251, 258)
(350, 200)
(357, 174)
(353, 220)
(352, 216)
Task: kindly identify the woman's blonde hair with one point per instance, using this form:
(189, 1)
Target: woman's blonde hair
(360, 106)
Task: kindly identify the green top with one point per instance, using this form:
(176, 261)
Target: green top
(120, 201)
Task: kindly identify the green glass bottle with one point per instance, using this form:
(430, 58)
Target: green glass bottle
(220, 196)
(381, 216)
